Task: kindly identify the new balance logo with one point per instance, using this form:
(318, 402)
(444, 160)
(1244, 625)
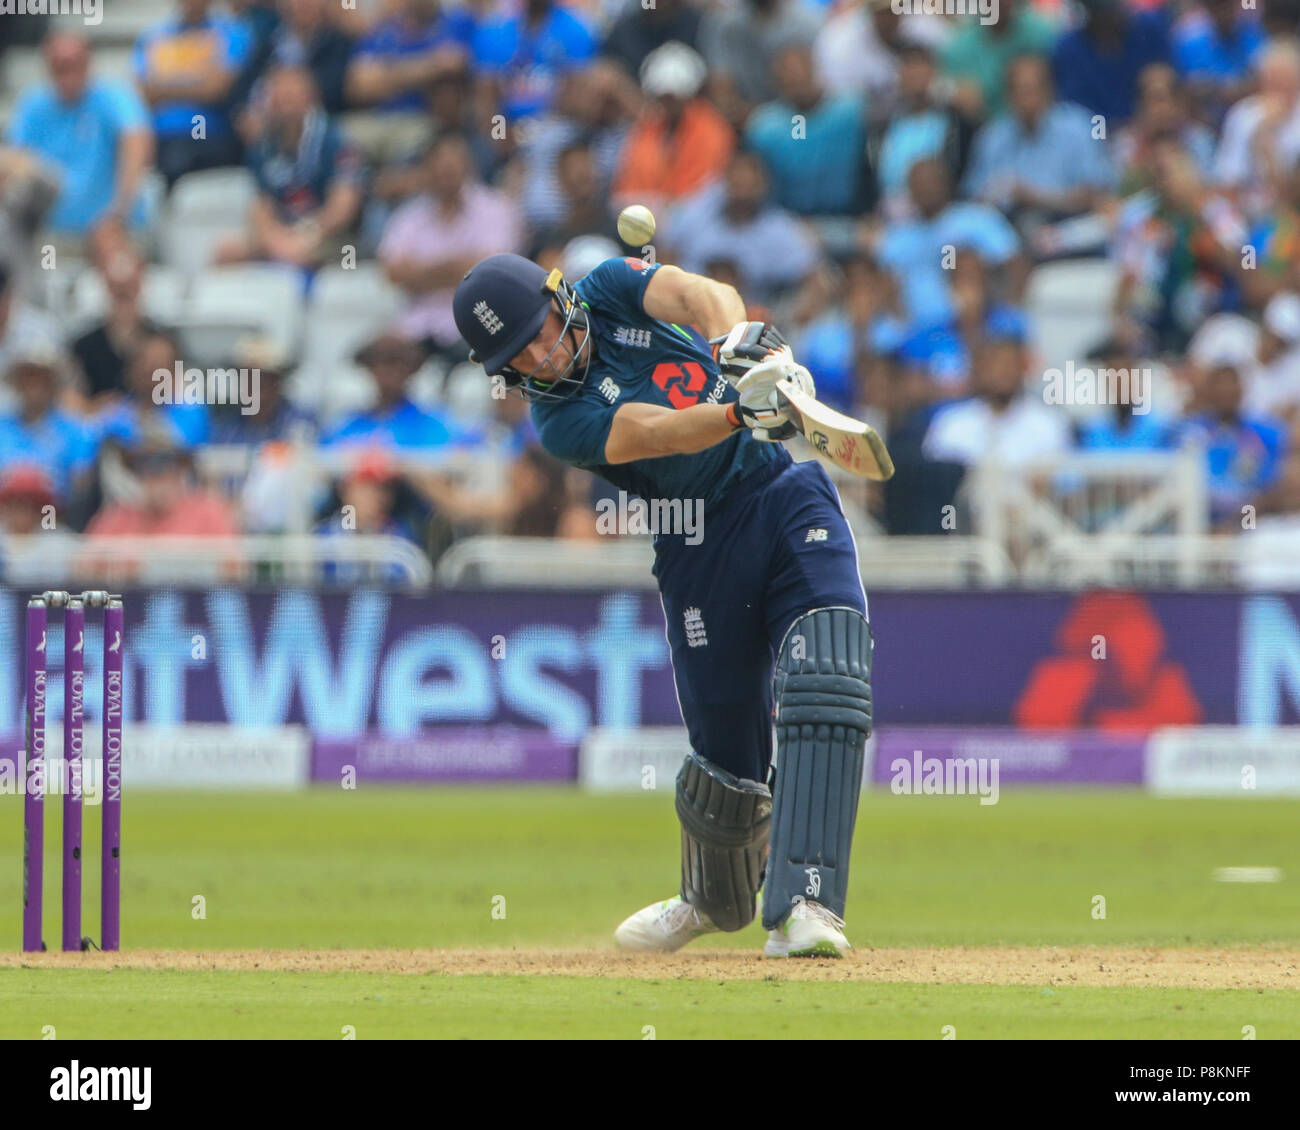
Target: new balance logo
(609, 389)
(638, 339)
(485, 314)
(815, 534)
(695, 634)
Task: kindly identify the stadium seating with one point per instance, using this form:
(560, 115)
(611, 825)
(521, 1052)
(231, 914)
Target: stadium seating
(203, 209)
(1070, 307)
(162, 297)
(263, 297)
(348, 306)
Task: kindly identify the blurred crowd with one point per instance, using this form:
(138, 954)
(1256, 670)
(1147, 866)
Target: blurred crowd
(881, 182)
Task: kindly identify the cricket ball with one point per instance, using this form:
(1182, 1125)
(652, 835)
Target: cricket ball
(636, 225)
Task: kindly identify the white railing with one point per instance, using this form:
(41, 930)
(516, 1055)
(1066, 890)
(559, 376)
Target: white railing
(939, 562)
(489, 562)
(299, 474)
(1087, 517)
(951, 561)
(1265, 558)
(1108, 519)
(41, 560)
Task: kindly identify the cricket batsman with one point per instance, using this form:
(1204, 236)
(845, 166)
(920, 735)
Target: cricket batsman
(652, 378)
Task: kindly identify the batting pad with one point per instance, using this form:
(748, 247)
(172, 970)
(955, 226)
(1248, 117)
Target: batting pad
(823, 719)
(725, 824)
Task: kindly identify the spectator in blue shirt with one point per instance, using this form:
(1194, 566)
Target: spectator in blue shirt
(142, 409)
(308, 178)
(814, 145)
(302, 37)
(394, 420)
(393, 69)
(923, 124)
(593, 105)
(523, 53)
(1214, 49)
(1097, 65)
(187, 68)
(734, 220)
(1119, 427)
(260, 17)
(373, 500)
(395, 64)
(1243, 454)
(276, 418)
(93, 132)
(1041, 158)
(38, 432)
(922, 253)
(643, 27)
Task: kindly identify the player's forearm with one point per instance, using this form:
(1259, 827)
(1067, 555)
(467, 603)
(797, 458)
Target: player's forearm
(673, 295)
(715, 307)
(646, 431)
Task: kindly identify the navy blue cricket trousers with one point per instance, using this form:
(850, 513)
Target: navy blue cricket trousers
(776, 546)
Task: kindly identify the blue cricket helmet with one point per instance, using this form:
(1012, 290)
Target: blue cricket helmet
(501, 305)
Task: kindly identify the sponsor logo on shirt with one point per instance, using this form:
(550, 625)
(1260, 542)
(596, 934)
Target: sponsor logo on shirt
(609, 389)
(683, 381)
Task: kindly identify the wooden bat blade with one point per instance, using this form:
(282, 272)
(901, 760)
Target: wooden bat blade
(848, 443)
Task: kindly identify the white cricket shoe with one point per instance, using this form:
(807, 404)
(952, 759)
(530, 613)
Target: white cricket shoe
(663, 927)
(809, 930)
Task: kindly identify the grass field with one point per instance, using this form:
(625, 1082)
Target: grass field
(489, 912)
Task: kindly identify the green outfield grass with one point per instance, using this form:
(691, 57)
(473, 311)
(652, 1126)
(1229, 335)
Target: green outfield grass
(419, 868)
(172, 1005)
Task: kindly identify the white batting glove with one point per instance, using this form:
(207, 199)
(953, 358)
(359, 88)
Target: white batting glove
(762, 408)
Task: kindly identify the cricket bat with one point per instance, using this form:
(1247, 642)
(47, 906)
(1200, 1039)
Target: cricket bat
(848, 443)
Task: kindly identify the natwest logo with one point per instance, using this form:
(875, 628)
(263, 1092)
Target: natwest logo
(683, 381)
(1110, 672)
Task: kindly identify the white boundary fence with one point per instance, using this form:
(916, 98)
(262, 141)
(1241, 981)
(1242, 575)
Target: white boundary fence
(1109, 519)
(39, 560)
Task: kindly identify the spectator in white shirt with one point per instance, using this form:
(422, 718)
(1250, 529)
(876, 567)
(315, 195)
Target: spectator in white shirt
(1267, 355)
(1004, 420)
(1261, 134)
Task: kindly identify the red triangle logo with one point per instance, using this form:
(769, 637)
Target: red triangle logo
(1110, 672)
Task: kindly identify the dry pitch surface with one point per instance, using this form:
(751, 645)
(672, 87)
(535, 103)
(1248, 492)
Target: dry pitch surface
(320, 906)
(1080, 966)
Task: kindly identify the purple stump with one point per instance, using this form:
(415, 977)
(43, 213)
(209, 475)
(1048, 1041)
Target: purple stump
(110, 897)
(74, 686)
(34, 778)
